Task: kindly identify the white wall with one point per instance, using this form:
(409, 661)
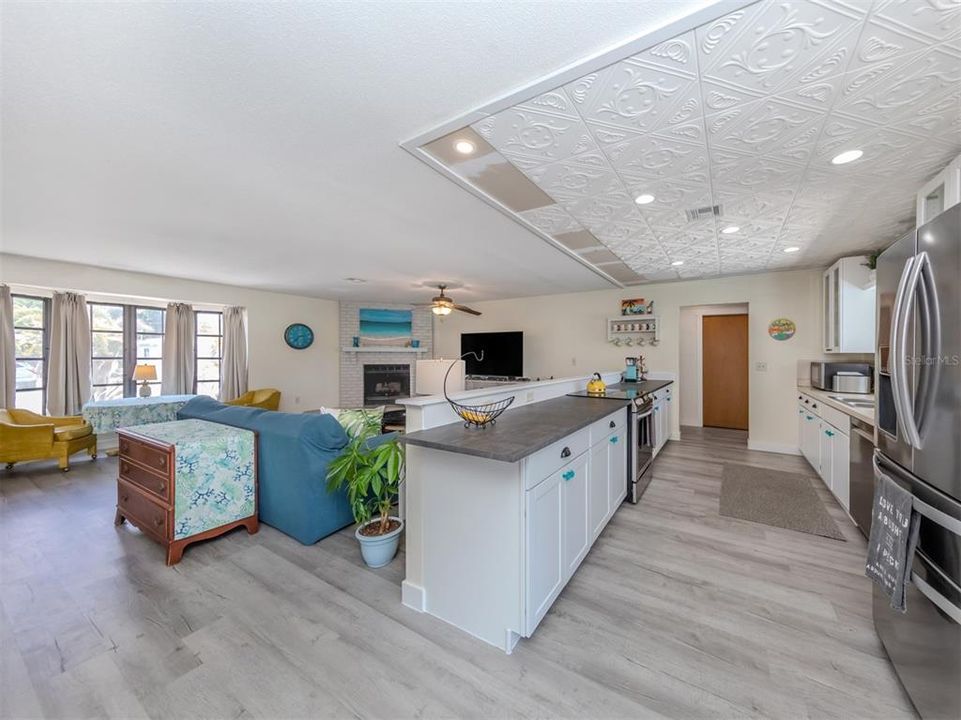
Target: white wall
(565, 335)
(306, 378)
(691, 358)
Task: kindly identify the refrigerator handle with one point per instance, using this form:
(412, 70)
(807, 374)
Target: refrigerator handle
(896, 364)
(942, 603)
(936, 516)
(929, 313)
(901, 360)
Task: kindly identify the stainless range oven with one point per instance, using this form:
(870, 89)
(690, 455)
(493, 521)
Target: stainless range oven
(641, 413)
(641, 439)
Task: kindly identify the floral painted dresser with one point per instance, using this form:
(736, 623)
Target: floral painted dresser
(187, 480)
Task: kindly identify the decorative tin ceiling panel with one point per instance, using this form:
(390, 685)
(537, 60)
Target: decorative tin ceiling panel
(746, 113)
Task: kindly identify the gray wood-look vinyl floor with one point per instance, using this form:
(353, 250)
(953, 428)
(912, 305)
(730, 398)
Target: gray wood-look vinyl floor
(676, 612)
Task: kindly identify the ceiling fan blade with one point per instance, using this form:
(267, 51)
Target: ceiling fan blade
(464, 308)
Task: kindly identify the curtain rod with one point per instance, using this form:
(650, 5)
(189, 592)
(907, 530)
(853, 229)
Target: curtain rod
(110, 296)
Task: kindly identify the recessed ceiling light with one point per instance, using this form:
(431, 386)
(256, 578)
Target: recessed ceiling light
(846, 157)
(355, 280)
(730, 229)
(464, 147)
(791, 249)
(677, 262)
(644, 199)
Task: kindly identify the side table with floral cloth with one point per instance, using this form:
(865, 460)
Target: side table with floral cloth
(187, 480)
(107, 415)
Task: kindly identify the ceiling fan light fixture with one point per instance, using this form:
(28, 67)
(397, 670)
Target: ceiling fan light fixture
(441, 310)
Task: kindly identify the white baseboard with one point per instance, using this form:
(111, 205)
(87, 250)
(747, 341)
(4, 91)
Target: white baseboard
(413, 596)
(773, 447)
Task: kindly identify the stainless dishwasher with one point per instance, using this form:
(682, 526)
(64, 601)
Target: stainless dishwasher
(862, 474)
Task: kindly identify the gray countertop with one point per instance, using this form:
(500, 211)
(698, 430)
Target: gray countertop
(518, 433)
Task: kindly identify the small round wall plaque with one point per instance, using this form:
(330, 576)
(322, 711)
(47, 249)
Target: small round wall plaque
(299, 336)
(782, 329)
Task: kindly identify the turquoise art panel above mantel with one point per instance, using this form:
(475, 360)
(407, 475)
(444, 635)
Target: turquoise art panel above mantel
(386, 323)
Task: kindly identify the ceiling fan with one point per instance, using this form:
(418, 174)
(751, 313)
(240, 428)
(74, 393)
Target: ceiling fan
(442, 304)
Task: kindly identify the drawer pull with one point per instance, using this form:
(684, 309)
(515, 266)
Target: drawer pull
(814, 406)
(613, 424)
(569, 475)
(809, 417)
(829, 433)
(124, 498)
(566, 452)
(124, 447)
(614, 440)
(158, 521)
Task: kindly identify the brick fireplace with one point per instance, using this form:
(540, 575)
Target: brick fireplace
(391, 369)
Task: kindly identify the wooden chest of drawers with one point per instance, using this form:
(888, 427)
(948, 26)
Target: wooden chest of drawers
(187, 480)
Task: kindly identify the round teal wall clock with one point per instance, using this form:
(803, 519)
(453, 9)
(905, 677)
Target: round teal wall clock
(299, 336)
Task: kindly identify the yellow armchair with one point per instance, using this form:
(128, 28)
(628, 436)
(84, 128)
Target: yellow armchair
(266, 398)
(24, 435)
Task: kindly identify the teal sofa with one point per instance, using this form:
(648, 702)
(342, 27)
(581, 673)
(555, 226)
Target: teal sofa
(293, 452)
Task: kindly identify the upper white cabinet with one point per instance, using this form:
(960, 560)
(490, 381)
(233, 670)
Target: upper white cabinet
(940, 193)
(848, 291)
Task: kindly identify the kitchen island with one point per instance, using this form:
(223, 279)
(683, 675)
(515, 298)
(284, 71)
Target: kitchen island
(502, 516)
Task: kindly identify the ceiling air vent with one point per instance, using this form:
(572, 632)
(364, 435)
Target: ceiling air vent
(708, 211)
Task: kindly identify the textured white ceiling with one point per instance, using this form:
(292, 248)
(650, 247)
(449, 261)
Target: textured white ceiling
(256, 143)
(746, 112)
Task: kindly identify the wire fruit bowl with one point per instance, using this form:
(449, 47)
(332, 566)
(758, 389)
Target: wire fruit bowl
(476, 415)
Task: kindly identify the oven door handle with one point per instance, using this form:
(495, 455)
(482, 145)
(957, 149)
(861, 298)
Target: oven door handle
(641, 416)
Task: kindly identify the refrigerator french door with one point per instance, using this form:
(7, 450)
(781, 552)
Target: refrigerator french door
(919, 446)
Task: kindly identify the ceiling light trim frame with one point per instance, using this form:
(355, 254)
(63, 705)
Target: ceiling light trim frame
(714, 11)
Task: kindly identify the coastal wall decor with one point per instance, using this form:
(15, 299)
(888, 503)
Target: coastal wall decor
(636, 306)
(385, 327)
(782, 329)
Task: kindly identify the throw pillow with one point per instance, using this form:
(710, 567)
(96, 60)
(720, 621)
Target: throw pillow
(358, 420)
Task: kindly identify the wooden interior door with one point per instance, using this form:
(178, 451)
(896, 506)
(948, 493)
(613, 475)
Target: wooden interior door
(724, 371)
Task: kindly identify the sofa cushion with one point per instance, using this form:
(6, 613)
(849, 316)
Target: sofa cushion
(71, 432)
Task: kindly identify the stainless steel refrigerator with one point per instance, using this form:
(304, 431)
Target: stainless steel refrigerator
(919, 446)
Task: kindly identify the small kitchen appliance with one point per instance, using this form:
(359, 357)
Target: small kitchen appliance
(822, 374)
(596, 386)
(848, 381)
(630, 369)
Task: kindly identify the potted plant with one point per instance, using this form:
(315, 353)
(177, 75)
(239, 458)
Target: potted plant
(371, 472)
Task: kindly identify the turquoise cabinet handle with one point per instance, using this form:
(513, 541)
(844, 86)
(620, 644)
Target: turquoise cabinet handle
(569, 475)
(809, 417)
(614, 440)
(829, 433)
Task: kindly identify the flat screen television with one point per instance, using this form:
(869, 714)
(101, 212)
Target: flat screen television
(503, 353)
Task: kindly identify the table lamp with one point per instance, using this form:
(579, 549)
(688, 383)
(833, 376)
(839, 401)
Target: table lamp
(145, 373)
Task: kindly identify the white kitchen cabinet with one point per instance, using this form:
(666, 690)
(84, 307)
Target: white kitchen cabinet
(825, 441)
(575, 503)
(939, 193)
(599, 500)
(616, 470)
(545, 553)
(663, 409)
(847, 303)
(810, 438)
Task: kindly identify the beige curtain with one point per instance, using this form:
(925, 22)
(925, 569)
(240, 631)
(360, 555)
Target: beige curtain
(233, 367)
(8, 352)
(68, 374)
(178, 350)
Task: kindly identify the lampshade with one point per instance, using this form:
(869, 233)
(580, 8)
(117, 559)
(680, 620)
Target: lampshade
(430, 377)
(145, 372)
(441, 309)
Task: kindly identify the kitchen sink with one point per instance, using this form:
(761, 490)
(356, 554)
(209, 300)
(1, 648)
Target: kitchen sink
(853, 402)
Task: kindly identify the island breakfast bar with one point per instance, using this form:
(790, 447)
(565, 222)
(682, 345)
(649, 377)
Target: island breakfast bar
(499, 518)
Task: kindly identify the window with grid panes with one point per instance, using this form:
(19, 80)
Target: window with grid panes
(209, 352)
(108, 367)
(30, 321)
